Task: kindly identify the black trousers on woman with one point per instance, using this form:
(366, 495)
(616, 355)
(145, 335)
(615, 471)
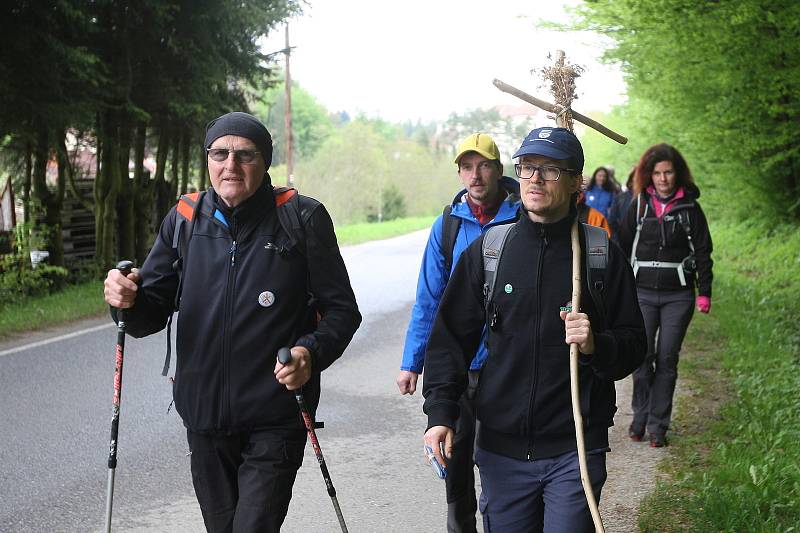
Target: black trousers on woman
(666, 318)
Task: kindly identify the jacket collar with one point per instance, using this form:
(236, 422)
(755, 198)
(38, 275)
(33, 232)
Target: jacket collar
(559, 229)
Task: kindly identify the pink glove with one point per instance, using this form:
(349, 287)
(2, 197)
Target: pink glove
(703, 304)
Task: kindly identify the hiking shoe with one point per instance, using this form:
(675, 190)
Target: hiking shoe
(635, 433)
(657, 440)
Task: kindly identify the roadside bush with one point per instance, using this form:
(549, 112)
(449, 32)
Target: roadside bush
(18, 280)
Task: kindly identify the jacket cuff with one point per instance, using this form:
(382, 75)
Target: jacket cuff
(310, 343)
(443, 414)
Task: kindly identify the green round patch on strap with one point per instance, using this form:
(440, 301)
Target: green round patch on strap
(508, 288)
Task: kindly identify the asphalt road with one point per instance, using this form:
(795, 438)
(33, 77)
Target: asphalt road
(56, 412)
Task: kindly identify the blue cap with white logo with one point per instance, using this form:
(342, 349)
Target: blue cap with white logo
(556, 143)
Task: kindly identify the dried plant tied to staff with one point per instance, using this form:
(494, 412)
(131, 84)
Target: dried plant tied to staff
(561, 77)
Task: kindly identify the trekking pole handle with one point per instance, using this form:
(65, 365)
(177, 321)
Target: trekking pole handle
(124, 268)
(284, 356)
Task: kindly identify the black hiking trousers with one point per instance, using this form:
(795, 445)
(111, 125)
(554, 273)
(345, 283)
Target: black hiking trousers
(244, 481)
(666, 318)
(460, 481)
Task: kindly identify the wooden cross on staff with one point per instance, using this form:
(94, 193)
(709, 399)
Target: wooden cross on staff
(561, 76)
(564, 93)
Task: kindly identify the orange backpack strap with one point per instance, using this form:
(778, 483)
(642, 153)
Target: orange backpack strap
(187, 204)
(283, 194)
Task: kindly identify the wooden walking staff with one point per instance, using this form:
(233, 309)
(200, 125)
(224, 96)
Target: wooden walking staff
(562, 84)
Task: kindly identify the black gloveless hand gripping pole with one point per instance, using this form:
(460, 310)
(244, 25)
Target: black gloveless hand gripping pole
(285, 357)
(125, 268)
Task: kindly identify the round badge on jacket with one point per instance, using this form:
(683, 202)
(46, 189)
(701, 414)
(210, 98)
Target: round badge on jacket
(266, 299)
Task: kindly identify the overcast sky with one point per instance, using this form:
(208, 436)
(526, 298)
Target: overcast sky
(424, 59)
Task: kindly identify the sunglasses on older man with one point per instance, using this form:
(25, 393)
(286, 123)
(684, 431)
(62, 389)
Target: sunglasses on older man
(243, 157)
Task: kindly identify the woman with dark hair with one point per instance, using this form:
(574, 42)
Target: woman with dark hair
(666, 236)
(600, 191)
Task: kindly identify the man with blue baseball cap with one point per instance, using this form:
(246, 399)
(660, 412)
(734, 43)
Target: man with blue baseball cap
(526, 450)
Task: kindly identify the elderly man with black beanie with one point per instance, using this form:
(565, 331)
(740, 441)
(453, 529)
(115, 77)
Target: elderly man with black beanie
(244, 286)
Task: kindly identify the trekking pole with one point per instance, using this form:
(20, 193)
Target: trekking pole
(574, 385)
(125, 268)
(285, 357)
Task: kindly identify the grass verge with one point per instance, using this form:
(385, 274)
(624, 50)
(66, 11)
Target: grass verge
(86, 299)
(358, 233)
(73, 303)
(732, 462)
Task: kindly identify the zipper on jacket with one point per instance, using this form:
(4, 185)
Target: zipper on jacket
(536, 340)
(230, 298)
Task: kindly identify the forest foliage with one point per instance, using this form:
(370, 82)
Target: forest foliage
(718, 80)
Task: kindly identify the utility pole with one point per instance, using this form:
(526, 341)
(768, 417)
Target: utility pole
(287, 116)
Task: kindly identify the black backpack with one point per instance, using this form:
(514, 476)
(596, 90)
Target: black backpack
(450, 227)
(291, 208)
(595, 261)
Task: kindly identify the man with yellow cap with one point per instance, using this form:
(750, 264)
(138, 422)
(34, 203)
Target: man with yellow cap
(488, 199)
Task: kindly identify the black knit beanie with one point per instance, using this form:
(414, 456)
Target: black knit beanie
(243, 125)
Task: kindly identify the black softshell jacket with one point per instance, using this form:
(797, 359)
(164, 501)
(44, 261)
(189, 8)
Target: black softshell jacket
(523, 401)
(227, 340)
(664, 239)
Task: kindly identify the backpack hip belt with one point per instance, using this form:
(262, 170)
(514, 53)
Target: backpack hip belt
(661, 264)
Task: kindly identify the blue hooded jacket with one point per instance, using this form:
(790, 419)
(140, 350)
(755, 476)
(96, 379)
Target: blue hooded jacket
(433, 278)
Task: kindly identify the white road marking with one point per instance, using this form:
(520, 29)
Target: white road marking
(54, 339)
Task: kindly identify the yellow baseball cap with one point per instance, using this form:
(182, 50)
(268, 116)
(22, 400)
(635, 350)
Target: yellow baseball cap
(480, 143)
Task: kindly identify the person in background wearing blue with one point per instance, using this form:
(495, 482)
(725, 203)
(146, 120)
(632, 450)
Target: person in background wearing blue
(488, 199)
(601, 191)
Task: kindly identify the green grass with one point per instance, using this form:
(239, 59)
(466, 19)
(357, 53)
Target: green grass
(358, 233)
(72, 303)
(733, 460)
(86, 299)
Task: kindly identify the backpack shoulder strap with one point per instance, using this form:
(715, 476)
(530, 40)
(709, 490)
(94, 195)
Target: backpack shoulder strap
(639, 221)
(185, 214)
(583, 213)
(595, 265)
(286, 200)
(450, 227)
(294, 210)
(494, 241)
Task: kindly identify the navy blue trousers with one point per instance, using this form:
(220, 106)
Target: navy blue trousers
(543, 495)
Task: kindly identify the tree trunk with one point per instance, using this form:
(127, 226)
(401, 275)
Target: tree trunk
(143, 197)
(164, 198)
(26, 185)
(48, 204)
(202, 171)
(185, 143)
(106, 189)
(126, 239)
